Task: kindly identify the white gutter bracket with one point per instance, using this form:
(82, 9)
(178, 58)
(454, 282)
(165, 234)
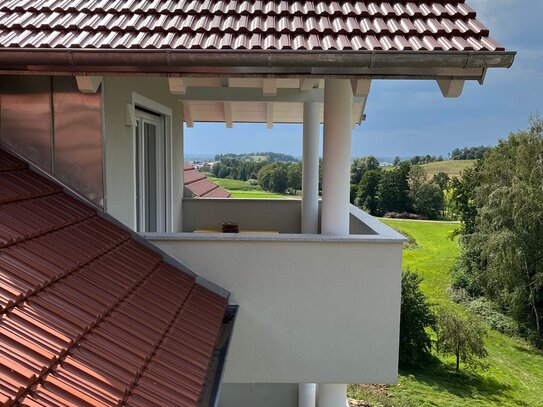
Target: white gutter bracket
(451, 88)
(361, 87)
(178, 86)
(88, 84)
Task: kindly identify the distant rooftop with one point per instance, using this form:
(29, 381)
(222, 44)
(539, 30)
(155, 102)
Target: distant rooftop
(200, 186)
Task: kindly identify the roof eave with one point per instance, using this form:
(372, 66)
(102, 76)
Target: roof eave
(379, 64)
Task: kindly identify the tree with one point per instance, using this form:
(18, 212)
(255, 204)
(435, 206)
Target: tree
(509, 226)
(294, 175)
(428, 201)
(461, 337)
(265, 176)
(353, 193)
(367, 197)
(393, 191)
(417, 178)
(442, 179)
(397, 160)
(279, 179)
(416, 316)
(273, 177)
(361, 165)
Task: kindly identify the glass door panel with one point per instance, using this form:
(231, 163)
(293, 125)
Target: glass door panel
(150, 173)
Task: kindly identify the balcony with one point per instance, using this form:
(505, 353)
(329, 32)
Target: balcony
(313, 308)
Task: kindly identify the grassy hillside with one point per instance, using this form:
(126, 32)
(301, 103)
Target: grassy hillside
(241, 189)
(452, 167)
(515, 376)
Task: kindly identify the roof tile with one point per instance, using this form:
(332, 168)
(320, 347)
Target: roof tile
(89, 317)
(200, 24)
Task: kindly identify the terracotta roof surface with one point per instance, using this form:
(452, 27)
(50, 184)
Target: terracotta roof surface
(243, 25)
(90, 317)
(202, 187)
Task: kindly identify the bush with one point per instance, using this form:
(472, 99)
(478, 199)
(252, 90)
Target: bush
(404, 215)
(490, 313)
(459, 295)
(416, 317)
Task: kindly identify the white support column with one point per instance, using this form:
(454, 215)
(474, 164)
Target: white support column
(338, 111)
(332, 395)
(307, 394)
(310, 168)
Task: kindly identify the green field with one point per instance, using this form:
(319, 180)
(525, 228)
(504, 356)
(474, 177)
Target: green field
(515, 376)
(241, 189)
(453, 168)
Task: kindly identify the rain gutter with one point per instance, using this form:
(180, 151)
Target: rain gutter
(245, 62)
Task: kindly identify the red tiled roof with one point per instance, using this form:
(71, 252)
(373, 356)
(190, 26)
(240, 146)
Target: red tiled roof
(88, 316)
(244, 25)
(200, 186)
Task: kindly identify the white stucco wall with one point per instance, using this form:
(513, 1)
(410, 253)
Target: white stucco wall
(119, 144)
(310, 311)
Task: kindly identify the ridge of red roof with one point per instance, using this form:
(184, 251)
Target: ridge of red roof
(201, 186)
(89, 316)
(272, 25)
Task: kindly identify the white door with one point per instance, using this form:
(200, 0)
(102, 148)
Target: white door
(151, 173)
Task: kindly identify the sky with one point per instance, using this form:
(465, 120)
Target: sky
(406, 118)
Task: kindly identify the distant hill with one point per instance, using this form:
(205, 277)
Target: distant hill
(257, 157)
(452, 168)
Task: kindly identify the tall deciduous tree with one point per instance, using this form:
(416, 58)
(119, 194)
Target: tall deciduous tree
(509, 227)
(394, 189)
(361, 165)
(295, 176)
(442, 179)
(368, 188)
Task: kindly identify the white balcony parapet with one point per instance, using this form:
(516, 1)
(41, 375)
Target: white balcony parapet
(313, 308)
(252, 213)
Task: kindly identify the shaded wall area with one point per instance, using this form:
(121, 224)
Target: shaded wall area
(258, 394)
(280, 215)
(50, 122)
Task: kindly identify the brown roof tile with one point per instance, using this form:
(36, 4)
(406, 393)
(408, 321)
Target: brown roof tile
(200, 186)
(88, 316)
(243, 25)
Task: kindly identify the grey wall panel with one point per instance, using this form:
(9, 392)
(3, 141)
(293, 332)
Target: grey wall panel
(261, 395)
(78, 138)
(25, 117)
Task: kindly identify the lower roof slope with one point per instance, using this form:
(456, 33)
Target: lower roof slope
(88, 316)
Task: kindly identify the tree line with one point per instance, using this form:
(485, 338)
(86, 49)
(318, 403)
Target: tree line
(401, 190)
(267, 156)
(469, 153)
(498, 276)
(500, 205)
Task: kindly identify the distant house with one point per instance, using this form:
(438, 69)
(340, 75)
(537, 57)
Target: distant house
(197, 185)
(108, 296)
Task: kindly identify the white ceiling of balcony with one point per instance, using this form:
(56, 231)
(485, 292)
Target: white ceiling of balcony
(252, 100)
